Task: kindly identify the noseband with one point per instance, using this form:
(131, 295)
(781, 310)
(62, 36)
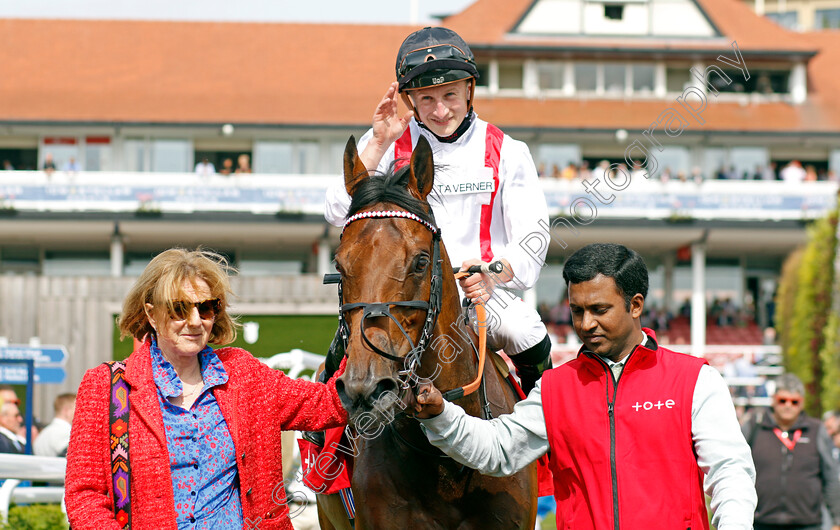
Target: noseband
(411, 361)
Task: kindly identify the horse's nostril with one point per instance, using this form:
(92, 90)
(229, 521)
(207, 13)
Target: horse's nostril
(384, 387)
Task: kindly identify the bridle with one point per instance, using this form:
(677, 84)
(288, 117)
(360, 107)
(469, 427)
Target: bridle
(411, 361)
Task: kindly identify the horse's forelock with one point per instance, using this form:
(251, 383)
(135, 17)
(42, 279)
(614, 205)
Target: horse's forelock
(390, 188)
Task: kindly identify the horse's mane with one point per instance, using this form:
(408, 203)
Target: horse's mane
(392, 188)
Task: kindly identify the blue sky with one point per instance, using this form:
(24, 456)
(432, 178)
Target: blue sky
(354, 11)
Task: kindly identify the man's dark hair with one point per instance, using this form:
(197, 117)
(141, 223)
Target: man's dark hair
(618, 262)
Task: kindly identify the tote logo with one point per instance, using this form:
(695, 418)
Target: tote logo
(648, 405)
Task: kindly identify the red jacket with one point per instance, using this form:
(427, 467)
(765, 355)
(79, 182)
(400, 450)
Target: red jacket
(622, 455)
(256, 402)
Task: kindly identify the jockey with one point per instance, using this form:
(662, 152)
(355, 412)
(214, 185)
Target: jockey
(486, 199)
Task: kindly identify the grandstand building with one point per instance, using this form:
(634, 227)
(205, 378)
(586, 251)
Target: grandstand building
(712, 100)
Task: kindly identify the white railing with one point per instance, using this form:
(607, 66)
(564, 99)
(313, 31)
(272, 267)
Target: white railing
(152, 193)
(17, 468)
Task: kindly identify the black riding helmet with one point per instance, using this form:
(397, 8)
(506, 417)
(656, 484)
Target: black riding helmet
(434, 56)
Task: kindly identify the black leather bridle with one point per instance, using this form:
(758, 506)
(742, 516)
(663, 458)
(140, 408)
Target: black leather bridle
(411, 361)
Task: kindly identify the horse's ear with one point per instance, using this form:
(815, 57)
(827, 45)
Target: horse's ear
(422, 173)
(354, 170)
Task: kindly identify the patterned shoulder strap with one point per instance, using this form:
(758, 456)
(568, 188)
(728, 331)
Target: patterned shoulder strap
(118, 430)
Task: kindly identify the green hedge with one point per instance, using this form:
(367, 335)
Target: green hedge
(804, 319)
(36, 517)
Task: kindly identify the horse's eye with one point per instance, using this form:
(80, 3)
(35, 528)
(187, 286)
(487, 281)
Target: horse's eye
(421, 264)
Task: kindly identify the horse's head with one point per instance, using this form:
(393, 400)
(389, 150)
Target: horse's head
(390, 250)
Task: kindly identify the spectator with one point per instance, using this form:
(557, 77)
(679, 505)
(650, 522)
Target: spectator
(7, 166)
(570, 172)
(71, 166)
(793, 173)
(810, 173)
(697, 175)
(54, 438)
(795, 469)
(49, 164)
(205, 424)
(11, 421)
(583, 170)
(227, 167)
(243, 164)
(634, 458)
(205, 168)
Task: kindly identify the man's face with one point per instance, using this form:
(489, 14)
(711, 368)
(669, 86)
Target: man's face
(10, 417)
(442, 108)
(601, 319)
(787, 406)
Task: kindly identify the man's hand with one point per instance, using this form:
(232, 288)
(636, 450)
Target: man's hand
(425, 401)
(388, 126)
(478, 288)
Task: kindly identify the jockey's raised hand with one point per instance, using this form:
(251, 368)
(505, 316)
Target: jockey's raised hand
(388, 125)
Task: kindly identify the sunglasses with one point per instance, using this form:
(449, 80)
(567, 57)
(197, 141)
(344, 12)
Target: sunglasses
(783, 401)
(207, 309)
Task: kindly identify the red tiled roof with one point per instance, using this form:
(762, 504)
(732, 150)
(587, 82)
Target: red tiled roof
(332, 74)
(130, 71)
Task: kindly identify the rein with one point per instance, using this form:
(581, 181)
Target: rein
(411, 361)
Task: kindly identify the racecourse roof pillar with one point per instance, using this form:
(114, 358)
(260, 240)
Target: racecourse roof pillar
(698, 298)
(668, 262)
(117, 252)
(324, 256)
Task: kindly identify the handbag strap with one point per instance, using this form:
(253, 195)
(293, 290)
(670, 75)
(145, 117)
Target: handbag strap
(118, 432)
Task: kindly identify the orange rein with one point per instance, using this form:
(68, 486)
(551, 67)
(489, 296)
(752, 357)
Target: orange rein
(481, 314)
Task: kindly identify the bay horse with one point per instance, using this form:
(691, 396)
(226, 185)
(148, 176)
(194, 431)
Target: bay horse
(400, 316)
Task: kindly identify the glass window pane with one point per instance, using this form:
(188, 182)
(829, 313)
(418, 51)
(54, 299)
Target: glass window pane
(134, 154)
(614, 76)
(677, 79)
(483, 74)
(273, 157)
(307, 153)
(787, 20)
(510, 76)
(171, 156)
(586, 77)
(747, 161)
(97, 157)
(827, 19)
(552, 158)
(550, 76)
(62, 154)
(644, 78)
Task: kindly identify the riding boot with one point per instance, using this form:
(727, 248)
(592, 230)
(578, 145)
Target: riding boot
(531, 363)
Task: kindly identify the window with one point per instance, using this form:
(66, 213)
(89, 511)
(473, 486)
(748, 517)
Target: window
(134, 154)
(614, 78)
(483, 74)
(614, 11)
(510, 76)
(760, 82)
(586, 77)
(644, 78)
(552, 158)
(62, 150)
(550, 76)
(273, 157)
(788, 19)
(171, 156)
(748, 160)
(677, 79)
(97, 153)
(286, 158)
(827, 19)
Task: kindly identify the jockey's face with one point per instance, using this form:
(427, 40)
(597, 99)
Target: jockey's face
(442, 108)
